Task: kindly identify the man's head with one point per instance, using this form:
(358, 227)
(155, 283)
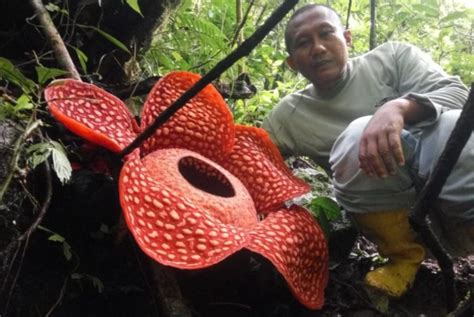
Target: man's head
(317, 44)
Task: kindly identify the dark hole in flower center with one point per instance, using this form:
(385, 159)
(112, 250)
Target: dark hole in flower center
(205, 177)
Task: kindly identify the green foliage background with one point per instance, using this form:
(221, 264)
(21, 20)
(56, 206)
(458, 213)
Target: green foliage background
(202, 32)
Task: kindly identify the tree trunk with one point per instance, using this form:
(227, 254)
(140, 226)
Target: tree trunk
(373, 35)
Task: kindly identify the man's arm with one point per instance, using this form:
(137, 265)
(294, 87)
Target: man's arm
(425, 82)
(380, 148)
(426, 92)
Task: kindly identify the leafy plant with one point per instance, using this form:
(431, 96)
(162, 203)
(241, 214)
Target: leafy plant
(39, 152)
(56, 237)
(10, 73)
(45, 74)
(325, 210)
(134, 5)
(96, 282)
(19, 108)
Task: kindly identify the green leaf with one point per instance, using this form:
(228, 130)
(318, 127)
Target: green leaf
(97, 283)
(82, 59)
(324, 223)
(56, 238)
(7, 110)
(38, 153)
(67, 250)
(209, 34)
(165, 61)
(427, 9)
(134, 5)
(45, 73)
(326, 206)
(453, 16)
(112, 39)
(10, 73)
(23, 103)
(61, 164)
(51, 7)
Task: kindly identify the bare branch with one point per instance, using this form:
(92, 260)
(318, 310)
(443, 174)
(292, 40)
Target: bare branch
(238, 31)
(349, 8)
(53, 36)
(373, 34)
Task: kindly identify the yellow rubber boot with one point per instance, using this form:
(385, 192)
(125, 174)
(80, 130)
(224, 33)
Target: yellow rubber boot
(395, 239)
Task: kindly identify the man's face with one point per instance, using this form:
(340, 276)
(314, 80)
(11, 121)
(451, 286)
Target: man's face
(318, 46)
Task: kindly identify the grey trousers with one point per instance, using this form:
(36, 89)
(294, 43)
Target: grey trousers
(358, 193)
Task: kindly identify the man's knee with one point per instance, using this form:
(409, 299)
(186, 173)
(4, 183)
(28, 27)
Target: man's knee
(355, 190)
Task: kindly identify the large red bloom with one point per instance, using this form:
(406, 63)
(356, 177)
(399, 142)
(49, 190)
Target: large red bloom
(193, 194)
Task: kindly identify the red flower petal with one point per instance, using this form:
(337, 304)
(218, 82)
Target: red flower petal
(91, 113)
(296, 245)
(204, 125)
(173, 220)
(256, 161)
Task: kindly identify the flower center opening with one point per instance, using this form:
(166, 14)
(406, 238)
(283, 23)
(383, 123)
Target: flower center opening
(205, 177)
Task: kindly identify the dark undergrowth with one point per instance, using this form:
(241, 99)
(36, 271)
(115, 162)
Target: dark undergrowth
(82, 262)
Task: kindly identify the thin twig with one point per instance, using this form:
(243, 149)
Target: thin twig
(26, 236)
(12, 165)
(53, 36)
(17, 274)
(46, 203)
(60, 297)
(241, 24)
(349, 8)
(373, 34)
(10, 266)
(260, 16)
(465, 306)
(244, 49)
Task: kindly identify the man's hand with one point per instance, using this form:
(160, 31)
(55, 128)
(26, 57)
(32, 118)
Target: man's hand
(380, 148)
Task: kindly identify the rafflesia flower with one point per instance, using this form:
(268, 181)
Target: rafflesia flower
(201, 188)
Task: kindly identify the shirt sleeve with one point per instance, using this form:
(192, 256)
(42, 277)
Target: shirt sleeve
(421, 79)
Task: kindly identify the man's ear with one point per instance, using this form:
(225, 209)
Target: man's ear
(291, 63)
(348, 37)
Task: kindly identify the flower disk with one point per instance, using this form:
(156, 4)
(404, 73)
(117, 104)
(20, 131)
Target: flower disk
(175, 217)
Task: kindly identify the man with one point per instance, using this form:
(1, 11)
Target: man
(400, 99)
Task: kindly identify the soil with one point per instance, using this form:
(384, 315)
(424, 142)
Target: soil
(97, 270)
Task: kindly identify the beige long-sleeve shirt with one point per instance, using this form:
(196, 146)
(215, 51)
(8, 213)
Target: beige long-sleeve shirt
(307, 122)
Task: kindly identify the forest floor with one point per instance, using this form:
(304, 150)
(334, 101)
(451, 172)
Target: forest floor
(79, 264)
